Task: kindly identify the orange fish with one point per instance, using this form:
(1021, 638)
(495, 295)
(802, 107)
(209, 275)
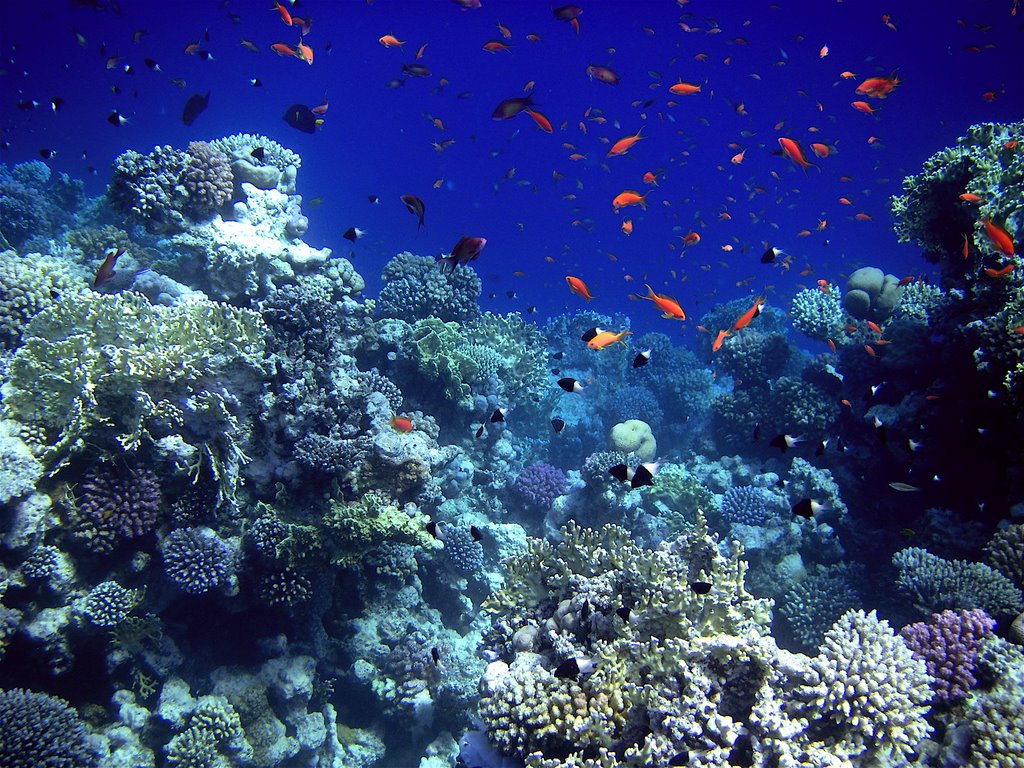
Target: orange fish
(542, 122)
(998, 236)
(629, 197)
(669, 307)
(846, 402)
(970, 197)
(870, 350)
(874, 327)
(862, 106)
(390, 41)
(401, 424)
(744, 320)
(650, 178)
(627, 227)
(831, 345)
(792, 150)
(622, 146)
(862, 217)
(602, 339)
(283, 12)
(821, 150)
(690, 238)
(823, 286)
(738, 157)
(684, 89)
(847, 75)
(1001, 272)
(966, 247)
(877, 87)
(719, 340)
(1011, 144)
(304, 52)
(281, 49)
(493, 46)
(578, 287)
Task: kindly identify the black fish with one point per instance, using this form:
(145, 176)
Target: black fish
(700, 587)
(570, 385)
(353, 233)
(475, 533)
(194, 107)
(784, 442)
(757, 431)
(642, 358)
(258, 153)
(642, 475)
(585, 610)
(373, 199)
(558, 425)
(588, 335)
(682, 758)
(480, 432)
(498, 415)
(435, 655)
(571, 668)
(807, 508)
(115, 119)
(434, 529)
(620, 472)
(301, 117)
(511, 294)
(770, 255)
(557, 355)
(623, 613)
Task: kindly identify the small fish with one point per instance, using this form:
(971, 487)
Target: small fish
(807, 508)
(435, 656)
(785, 442)
(481, 431)
(792, 150)
(106, 272)
(669, 307)
(570, 385)
(771, 254)
(903, 487)
(573, 668)
(498, 415)
(719, 339)
(301, 118)
(435, 530)
(558, 425)
(374, 199)
(636, 477)
(578, 287)
(401, 424)
(466, 250)
(194, 107)
(700, 587)
(509, 108)
(643, 358)
(415, 206)
(354, 233)
(597, 338)
(623, 613)
(116, 119)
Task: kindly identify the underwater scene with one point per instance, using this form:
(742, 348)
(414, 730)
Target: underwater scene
(511, 384)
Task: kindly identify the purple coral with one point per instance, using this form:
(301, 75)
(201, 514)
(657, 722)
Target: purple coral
(119, 502)
(540, 484)
(948, 644)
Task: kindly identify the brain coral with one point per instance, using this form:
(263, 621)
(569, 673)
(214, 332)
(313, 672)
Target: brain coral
(41, 731)
(415, 288)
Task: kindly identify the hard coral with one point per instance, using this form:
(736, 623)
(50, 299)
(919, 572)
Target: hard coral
(540, 484)
(819, 314)
(207, 180)
(937, 584)
(197, 559)
(949, 644)
(116, 502)
(41, 731)
(414, 288)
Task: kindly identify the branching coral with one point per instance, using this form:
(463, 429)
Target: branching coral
(937, 584)
(819, 314)
(355, 529)
(27, 287)
(117, 368)
(41, 731)
(948, 644)
(414, 289)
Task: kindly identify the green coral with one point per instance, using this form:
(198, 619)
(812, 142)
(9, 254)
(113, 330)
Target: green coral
(930, 211)
(492, 350)
(356, 529)
(678, 496)
(819, 314)
(27, 287)
(96, 367)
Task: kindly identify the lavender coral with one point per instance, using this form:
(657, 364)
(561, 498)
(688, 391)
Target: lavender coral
(117, 502)
(540, 484)
(949, 644)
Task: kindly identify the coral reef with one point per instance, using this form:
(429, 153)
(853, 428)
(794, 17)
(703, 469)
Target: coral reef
(818, 314)
(937, 584)
(197, 559)
(28, 285)
(41, 731)
(871, 294)
(415, 289)
(748, 505)
(948, 643)
(540, 483)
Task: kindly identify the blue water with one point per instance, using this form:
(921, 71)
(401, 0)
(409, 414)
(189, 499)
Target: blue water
(766, 71)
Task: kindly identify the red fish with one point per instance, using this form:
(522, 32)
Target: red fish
(578, 287)
(285, 16)
(878, 87)
(415, 206)
(744, 320)
(542, 122)
(466, 250)
(998, 236)
(669, 307)
(1001, 272)
(792, 150)
(622, 146)
(401, 424)
(283, 49)
(719, 340)
(106, 272)
(569, 13)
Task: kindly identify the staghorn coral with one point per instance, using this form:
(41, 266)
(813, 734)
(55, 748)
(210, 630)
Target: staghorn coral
(41, 731)
(949, 644)
(414, 289)
(111, 368)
